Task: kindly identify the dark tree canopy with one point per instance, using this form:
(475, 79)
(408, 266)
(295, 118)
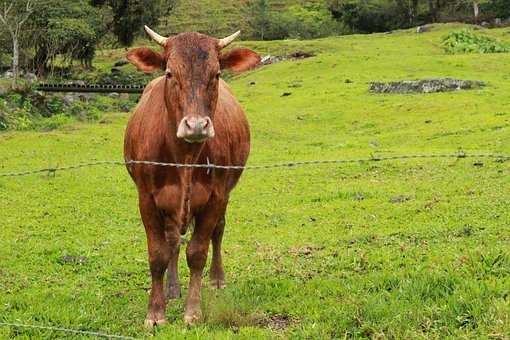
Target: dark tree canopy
(129, 16)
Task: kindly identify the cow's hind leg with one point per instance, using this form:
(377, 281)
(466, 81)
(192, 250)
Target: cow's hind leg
(159, 255)
(196, 255)
(217, 274)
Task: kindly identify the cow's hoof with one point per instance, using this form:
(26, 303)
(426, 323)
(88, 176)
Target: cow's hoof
(192, 318)
(150, 323)
(217, 284)
(173, 292)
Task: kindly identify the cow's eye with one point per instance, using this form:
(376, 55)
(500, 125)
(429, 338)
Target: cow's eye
(168, 74)
(218, 75)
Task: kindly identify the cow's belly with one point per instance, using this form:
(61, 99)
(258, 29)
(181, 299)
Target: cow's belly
(170, 198)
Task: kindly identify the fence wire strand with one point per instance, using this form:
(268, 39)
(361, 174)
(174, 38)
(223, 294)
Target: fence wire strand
(66, 330)
(292, 164)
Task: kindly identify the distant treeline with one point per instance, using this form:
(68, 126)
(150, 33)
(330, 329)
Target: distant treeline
(60, 32)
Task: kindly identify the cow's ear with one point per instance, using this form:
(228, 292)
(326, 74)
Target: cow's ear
(239, 60)
(146, 60)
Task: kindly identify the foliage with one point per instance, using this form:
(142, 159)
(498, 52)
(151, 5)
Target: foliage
(70, 29)
(129, 17)
(498, 8)
(259, 15)
(466, 41)
(297, 22)
(30, 110)
(304, 23)
(367, 16)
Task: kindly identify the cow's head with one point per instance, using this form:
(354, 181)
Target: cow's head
(192, 63)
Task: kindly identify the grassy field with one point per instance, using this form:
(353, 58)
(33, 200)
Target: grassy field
(414, 249)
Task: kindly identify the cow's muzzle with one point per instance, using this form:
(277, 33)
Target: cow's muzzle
(195, 129)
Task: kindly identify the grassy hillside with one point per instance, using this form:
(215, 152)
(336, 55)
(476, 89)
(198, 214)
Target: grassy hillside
(413, 249)
(218, 17)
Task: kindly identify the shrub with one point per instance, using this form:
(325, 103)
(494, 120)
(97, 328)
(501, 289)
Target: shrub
(363, 16)
(466, 41)
(297, 22)
(32, 110)
(305, 23)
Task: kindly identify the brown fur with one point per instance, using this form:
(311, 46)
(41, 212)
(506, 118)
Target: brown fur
(239, 60)
(170, 198)
(145, 59)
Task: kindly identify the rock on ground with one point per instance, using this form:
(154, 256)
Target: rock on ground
(425, 86)
(3, 90)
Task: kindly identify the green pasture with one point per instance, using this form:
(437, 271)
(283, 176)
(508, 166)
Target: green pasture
(401, 249)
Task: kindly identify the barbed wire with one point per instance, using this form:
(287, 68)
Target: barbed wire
(292, 164)
(66, 330)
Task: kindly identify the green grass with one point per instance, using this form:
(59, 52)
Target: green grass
(218, 17)
(321, 248)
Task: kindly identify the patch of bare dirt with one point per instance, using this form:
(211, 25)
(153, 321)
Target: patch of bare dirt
(278, 322)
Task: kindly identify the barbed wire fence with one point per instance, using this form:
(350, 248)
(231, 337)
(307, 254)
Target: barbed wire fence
(292, 164)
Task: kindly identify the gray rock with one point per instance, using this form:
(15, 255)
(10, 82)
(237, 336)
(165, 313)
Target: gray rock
(125, 107)
(3, 90)
(85, 97)
(124, 96)
(80, 83)
(114, 95)
(69, 99)
(425, 86)
(32, 78)
(497, 22)
(8, 75)
(400, 199)
(270, 59)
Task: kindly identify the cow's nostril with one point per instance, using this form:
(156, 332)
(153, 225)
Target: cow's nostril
(188, 125)
(206, 123)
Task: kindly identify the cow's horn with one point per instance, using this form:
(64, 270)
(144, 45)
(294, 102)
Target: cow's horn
(156, 37)
(228, 40)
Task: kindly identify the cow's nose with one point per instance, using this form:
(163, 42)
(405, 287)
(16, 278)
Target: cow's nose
(195, 129)
(196, 124)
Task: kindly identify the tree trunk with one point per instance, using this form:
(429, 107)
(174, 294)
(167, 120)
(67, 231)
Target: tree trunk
(433, 10)
(15, 61)
(476, 10)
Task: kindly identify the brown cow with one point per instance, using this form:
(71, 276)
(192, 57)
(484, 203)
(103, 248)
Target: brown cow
(188, 116)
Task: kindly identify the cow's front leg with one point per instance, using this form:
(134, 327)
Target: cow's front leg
(217, 274)
(174, 239)
(196, 255)
(159, 254)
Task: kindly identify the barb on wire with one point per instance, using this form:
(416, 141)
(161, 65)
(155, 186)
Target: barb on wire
(65, 330)
(372, 158)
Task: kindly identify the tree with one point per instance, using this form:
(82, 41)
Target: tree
(13, 16)
(476, 7)
(259, 17)
(66, 29)
(129, 16)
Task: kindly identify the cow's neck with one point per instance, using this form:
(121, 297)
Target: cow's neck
(181, 153)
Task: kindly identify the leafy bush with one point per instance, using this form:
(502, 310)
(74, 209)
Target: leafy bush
(297, 22)
(32, 110)
(466, 41)
(365, 16)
